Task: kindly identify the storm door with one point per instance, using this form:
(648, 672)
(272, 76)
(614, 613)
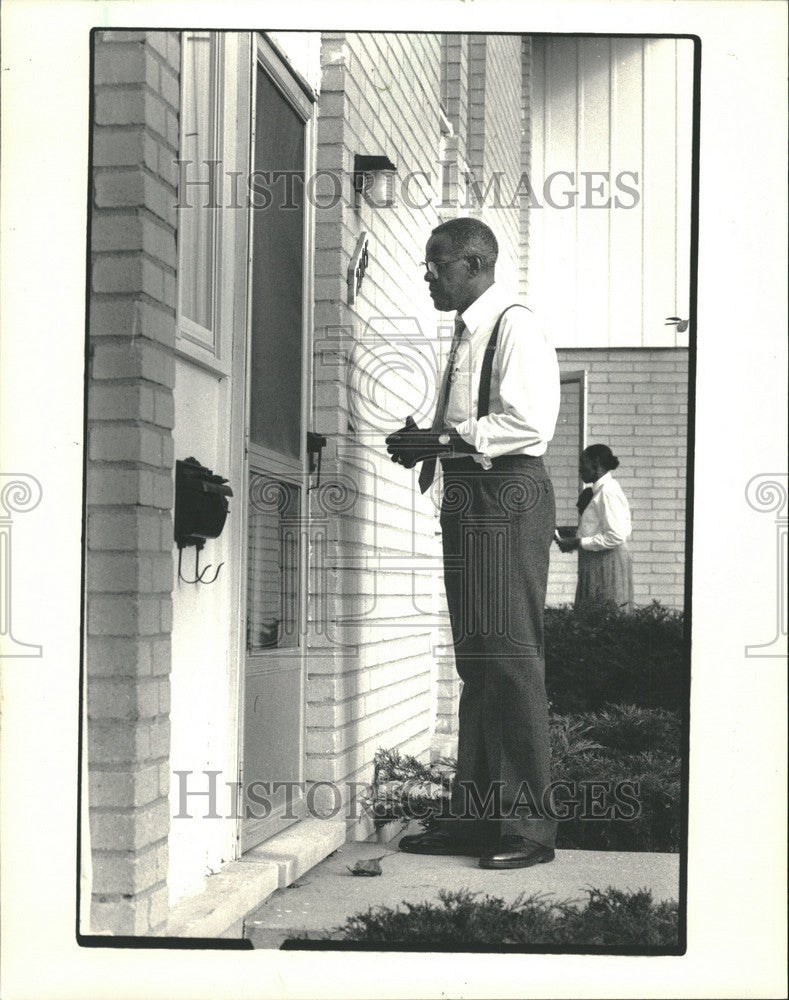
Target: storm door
(278, 401)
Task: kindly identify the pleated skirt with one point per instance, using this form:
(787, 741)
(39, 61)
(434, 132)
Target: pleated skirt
(605, 577)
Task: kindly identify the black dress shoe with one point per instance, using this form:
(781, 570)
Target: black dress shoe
(439, 842)
(516, 852)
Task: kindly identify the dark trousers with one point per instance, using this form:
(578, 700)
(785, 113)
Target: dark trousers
(497, 527)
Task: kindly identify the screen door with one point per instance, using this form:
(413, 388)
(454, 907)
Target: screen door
(273, 712)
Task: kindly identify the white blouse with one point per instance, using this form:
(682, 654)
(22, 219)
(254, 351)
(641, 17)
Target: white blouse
(606, 521)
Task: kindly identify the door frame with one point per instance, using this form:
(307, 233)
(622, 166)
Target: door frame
(263, 54)
(578, 377)
(223, 357)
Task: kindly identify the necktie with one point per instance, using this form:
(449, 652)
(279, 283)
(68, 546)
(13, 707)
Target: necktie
(428, 471)
(584, 500)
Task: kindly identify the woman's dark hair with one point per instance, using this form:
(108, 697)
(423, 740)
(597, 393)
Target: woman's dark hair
(603, 455)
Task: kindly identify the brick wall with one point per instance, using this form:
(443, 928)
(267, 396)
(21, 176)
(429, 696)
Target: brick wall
(129, 478)
(475, 138)
(637, 404)
(496, 144)
(502, 150)
(526, 158)
(455, 104)
(454, 86)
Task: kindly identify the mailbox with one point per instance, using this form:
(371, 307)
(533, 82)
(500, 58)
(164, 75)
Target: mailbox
(200, 503)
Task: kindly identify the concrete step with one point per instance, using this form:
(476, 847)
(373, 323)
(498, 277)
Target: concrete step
(229, 896)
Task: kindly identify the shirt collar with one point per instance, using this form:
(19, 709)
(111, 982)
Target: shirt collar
(487, 306)
(600, 483)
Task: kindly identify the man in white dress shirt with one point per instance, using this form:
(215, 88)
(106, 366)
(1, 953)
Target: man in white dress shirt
(496, 411)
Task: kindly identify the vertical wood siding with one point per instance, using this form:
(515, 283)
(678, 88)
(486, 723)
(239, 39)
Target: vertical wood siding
(611, 107)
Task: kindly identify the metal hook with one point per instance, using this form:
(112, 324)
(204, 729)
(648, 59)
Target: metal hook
(199, 576)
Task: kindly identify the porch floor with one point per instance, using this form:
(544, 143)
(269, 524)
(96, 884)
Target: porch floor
(324, 897)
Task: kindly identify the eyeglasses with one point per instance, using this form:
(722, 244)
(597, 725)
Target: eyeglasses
(431, 266)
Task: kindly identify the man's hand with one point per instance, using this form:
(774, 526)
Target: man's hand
(410, 445)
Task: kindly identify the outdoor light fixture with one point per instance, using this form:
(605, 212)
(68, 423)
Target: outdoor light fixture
(200, 511)
(373, 179)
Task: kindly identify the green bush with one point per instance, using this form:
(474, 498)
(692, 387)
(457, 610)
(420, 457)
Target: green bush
(632, 729)
(404, 788)
(618, 744)
(622, 743)
(656, 827)
(603, 655)
(609, 919)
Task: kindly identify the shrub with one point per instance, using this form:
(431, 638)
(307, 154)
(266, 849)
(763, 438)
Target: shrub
(405, 788)
(628, 744)
(597, 656)
(631, 729)
(617, 744)
(656, 827)
(609, 919)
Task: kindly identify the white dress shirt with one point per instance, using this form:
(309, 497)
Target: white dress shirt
(606, 521)
(524, 386)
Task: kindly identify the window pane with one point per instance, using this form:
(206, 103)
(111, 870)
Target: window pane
(273, 564)
(196, 220)
(277, 271)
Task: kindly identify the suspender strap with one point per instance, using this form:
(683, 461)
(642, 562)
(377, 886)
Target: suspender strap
(483, 400)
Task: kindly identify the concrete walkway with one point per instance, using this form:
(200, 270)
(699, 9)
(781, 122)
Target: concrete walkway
(323, 898)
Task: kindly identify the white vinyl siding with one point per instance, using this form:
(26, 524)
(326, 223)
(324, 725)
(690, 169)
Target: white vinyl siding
(608, 108)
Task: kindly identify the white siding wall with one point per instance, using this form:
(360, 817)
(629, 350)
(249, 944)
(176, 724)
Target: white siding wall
(610, 277)
(381, 94)
(371, 673)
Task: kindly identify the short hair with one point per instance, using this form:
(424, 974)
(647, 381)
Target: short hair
(470, 237)
(602, 454)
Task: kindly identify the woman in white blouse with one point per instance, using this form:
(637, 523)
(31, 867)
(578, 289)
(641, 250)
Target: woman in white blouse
(605, 570)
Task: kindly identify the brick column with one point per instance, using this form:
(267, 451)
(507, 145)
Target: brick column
(475, 148)
(526, 148)
(454, 85)
(454, 97)
(130, 474)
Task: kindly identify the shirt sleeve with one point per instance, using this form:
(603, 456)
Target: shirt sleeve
(614, 514)
(528, 389)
